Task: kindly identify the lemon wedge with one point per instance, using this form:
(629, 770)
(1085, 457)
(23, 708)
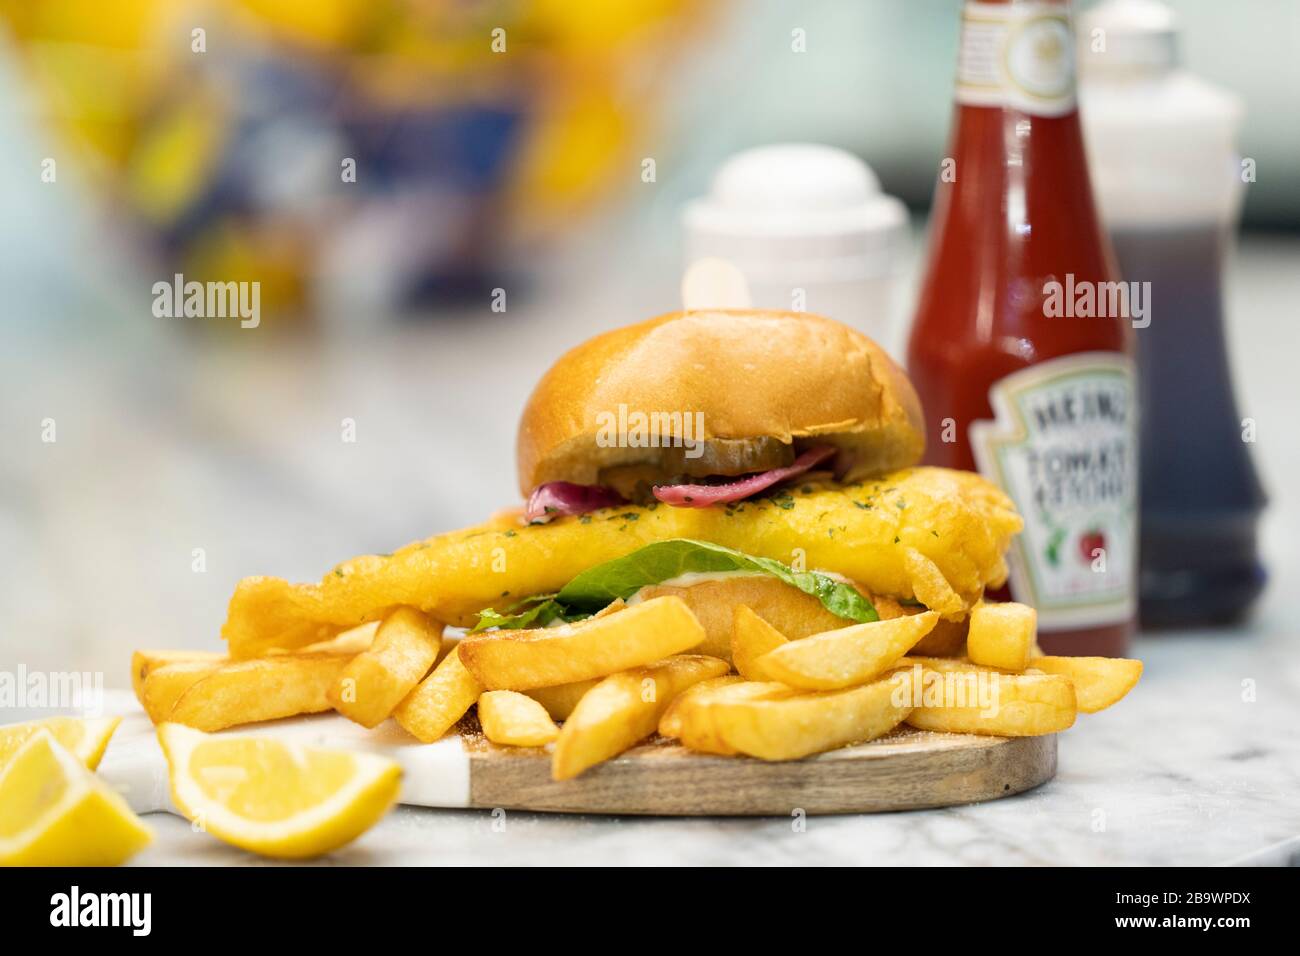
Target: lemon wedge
(84, 738)
(55, 812)
(276, 797)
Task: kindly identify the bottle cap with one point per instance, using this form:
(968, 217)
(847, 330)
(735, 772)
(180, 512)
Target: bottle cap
(1161, 141)
(1129, 36)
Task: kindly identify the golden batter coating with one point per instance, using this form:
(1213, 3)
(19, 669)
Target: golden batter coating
(932, 534)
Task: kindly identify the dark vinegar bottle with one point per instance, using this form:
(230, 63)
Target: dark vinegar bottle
(1169, 182)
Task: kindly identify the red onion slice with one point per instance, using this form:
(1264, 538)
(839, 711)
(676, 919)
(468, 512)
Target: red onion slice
(701, 496)
(566, 498)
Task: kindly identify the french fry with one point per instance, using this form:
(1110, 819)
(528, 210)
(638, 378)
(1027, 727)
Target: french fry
(751, 638)
(670, 724)
(352, 641)
(613, 607)
(975, 700)
(625, 708)
(374, 682)
(544, 657)
(512, 719)
(439, 700)
(249, 691)
(692, 722)
(1002, 635)
(950, 665)
(146, 661)
(792, 612)
(793, 727)
(845, 657)
(165, 683)
(1098, 682)
(560, 700)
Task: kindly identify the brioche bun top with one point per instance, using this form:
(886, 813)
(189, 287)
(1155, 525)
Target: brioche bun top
(752, 378)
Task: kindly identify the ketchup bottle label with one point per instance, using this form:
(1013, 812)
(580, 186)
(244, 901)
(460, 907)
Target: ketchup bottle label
(1062, 446)
(1018, 55)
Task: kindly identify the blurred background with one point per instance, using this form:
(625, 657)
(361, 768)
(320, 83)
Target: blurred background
(437, 198)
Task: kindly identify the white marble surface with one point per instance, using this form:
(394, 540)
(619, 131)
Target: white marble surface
(170, 440)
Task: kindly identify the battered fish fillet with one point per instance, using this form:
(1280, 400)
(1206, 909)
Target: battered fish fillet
(932, 534)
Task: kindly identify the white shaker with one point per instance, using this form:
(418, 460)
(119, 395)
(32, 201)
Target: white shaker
(809, 229)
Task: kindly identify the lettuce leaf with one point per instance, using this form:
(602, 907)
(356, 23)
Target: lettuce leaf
(539, 611)
(623, 577)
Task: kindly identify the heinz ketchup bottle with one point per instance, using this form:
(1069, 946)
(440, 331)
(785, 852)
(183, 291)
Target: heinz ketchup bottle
(1019, 348)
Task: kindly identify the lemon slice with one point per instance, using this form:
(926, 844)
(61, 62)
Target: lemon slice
(275, 797)
(55, 812)
(84, 738)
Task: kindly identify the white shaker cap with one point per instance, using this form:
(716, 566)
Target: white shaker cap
(800, 212)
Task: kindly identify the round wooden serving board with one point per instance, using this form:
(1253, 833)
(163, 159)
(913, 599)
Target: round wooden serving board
(906, 770)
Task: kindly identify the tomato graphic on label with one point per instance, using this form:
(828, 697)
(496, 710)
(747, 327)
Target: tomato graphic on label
(1090, 542)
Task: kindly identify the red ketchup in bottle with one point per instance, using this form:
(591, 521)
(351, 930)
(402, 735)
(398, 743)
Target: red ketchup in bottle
(1020, 345)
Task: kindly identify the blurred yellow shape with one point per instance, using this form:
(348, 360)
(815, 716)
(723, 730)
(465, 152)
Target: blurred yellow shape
(571, 154)
(124, 24)
(592, 26)
(326, 23)
(173, 159)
